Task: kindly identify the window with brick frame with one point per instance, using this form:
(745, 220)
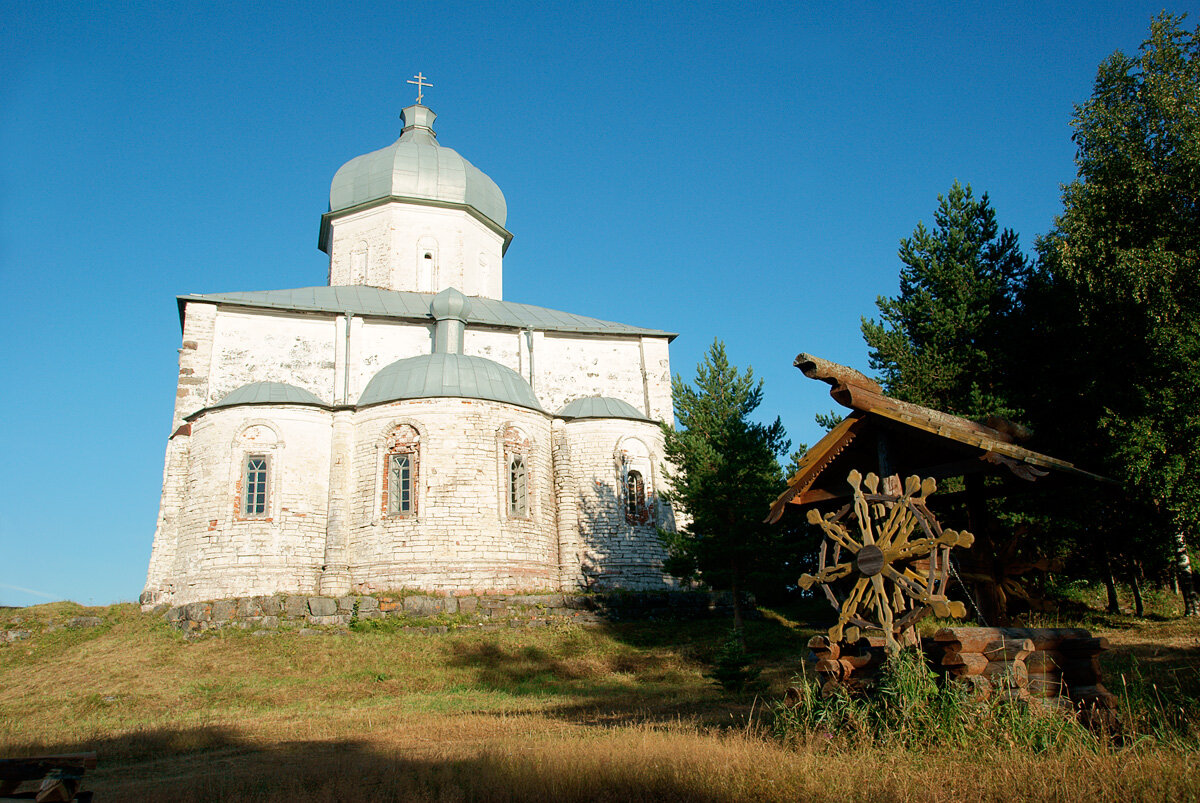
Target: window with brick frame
(515, 479)
(636, 509)
(401, 472)
(635, 482)
(255, 486)
(400, 483)
(518, 486)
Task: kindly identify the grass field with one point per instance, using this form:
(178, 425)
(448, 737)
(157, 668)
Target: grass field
(621, 712)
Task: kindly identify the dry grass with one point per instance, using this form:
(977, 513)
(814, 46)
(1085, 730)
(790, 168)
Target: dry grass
(620, 713)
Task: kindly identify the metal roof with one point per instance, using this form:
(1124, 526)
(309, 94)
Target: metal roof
(374, 301)
(416, 167)
(600, 407)
(453, 375)
(268, 393)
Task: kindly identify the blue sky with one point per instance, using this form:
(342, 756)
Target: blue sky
(743, 172)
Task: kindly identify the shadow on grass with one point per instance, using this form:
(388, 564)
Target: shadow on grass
(658, 672)
(206, 764)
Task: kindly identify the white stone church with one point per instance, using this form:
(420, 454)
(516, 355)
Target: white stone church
(404, 427)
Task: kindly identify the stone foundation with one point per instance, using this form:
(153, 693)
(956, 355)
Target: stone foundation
(441, 614)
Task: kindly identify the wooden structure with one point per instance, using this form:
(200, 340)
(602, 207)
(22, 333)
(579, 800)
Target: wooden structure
(890, 556)
(897, 439)
(1057, 668)
(57, 778)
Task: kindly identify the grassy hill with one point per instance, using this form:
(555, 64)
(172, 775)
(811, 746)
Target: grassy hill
(618, 712)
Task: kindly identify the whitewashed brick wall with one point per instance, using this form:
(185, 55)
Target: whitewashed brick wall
(462, 542)
(600, 548)
(467, 254)
(219, 552)
(253, 346)
(462, 538)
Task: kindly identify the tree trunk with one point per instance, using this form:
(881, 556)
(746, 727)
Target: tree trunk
(1139, 608)
(736, 590)
(1110, 585)
(1187, 580)
(990, 598)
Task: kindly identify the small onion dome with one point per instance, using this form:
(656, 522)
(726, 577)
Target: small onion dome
(450, 304)
(416, 167)
(268, 393)
(448, 375)
(600, 407)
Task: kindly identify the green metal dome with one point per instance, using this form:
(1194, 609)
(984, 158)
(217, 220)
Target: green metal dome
(600, 407)
(268, 393)
(448, 375)
(416, 167)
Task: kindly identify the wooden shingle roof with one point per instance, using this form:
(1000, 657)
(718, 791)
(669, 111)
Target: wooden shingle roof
(910, 438)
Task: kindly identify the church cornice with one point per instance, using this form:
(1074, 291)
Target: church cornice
(328, 218)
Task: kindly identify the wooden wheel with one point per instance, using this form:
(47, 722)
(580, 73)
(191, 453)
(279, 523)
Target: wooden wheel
(884, 561)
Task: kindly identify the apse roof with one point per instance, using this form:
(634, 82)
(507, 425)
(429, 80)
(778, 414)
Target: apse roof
(268, 393)
(363, 300)
(600, 407)
(448, 375)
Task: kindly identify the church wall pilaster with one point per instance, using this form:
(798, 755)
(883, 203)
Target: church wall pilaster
(195, 360)
(335, 573)
(566, 492)
(159, 586)
(656, 367)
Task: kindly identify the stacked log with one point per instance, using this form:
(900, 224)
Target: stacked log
(850, 666)
(984, 658)
(1057, 667)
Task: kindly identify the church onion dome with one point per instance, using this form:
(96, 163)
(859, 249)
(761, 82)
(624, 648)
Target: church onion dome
(416, 167)
(268, 393)
(600, 407)
(450, 304)
(440, 375)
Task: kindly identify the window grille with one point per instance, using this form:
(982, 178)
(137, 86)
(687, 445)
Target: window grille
(400, 484)
(254, 503)
(518, 487)
(636, 511)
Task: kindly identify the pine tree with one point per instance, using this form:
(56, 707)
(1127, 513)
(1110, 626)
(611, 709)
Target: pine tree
(726, 474)
(942, 341)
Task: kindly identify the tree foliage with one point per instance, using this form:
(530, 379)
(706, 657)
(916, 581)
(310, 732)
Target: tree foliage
(725, 475)
(941, 341)
(1120, 274)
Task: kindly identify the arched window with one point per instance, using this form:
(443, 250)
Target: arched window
(515, 479)
(635, 481)
(427, 265)
(636, 511)
(255, 471)
(254, 483)
(400, 484)
(400, 472)
(518, 486)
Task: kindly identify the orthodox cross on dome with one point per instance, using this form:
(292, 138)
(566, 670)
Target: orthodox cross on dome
(420, 82)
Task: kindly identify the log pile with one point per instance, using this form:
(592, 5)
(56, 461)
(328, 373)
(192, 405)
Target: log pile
(1057, 667)
(850, 665)
(984, 659)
